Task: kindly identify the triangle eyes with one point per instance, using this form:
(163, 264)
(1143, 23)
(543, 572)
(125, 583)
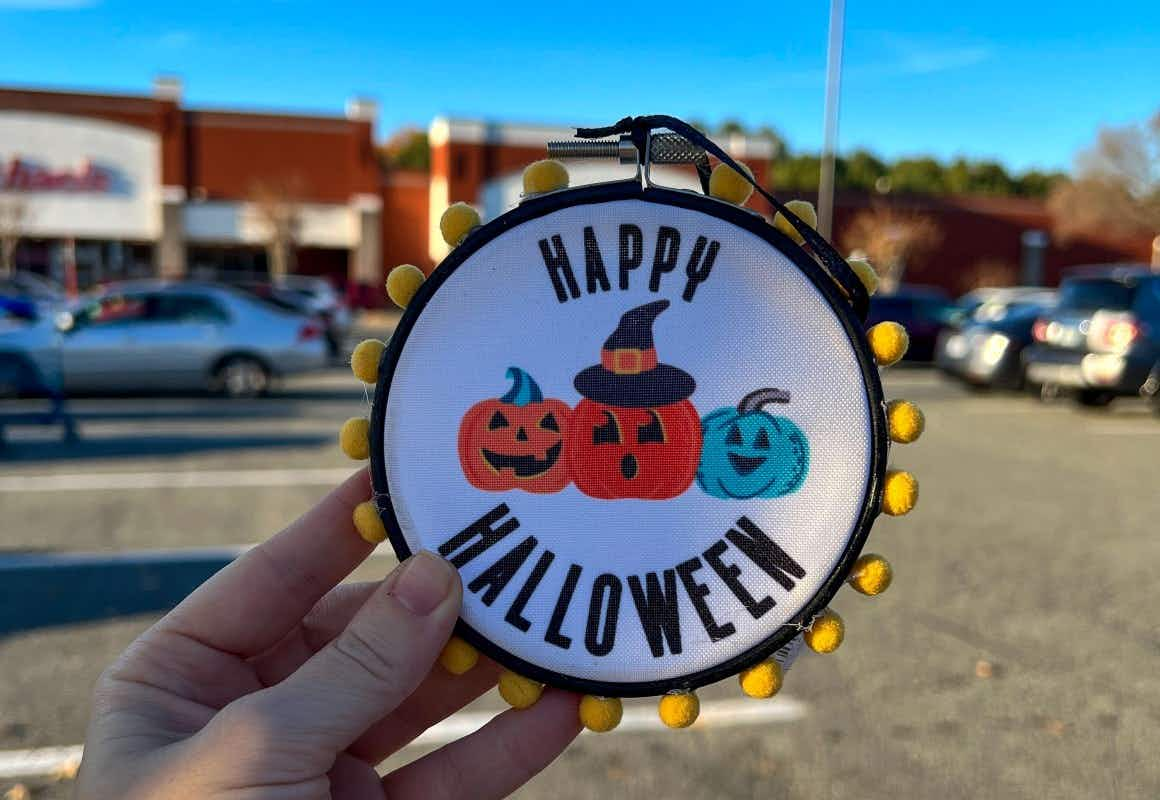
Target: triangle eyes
(549, 423)
(761, 441)
(497, 420)
(734, 436)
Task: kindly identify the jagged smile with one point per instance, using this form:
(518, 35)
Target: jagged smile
(523, 466)
(744, 465)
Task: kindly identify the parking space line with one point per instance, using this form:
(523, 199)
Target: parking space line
(638, 717)
(198, 479)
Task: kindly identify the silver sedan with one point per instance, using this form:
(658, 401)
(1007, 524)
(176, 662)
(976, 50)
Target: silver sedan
(149, 336)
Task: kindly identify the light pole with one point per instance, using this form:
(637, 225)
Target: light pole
(830, 122)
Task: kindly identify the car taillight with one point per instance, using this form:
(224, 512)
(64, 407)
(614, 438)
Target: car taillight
(310, 330)
(1039, 330)
(1112, 333)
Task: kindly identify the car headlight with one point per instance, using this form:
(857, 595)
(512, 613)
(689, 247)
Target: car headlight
(993, 349)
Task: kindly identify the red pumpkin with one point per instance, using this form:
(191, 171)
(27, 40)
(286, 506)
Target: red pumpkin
(649, 453)
(515, 441)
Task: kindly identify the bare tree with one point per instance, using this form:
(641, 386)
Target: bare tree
(13, 224)
(890, 238)
(279, 211)
(1116, 188)
(988, 273)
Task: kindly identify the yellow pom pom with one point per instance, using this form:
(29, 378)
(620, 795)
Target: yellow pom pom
(600, 714)
(761, 681)
(889, 341)
(905, 420)
(871, 574)
(679, 709)
(545, 176)
(364, 360)
(826, 634)
(519, 692)
(803, 210)
(457, 221)
(402, 283)
(899, 493)
(355, 438)
(458, 656)
(865, 273)
(728, 184)
(368, 523)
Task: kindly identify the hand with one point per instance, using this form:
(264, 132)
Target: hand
(269, 682)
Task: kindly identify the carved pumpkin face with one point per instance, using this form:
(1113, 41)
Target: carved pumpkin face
(649, 453)
(750, 453)
(515, 441)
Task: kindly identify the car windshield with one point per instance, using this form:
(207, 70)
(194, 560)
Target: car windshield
(1093, 294)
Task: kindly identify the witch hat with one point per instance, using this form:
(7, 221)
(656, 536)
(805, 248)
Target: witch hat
(629, 374)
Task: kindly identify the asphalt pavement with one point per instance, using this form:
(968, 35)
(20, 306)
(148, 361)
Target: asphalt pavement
(1016, 656)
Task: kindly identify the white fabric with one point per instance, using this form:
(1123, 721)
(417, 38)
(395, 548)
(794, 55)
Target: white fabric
(756, 322)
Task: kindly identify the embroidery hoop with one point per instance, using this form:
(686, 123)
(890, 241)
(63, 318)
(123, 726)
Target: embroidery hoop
(535, 208)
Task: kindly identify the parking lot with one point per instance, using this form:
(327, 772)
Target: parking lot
(1016, 655)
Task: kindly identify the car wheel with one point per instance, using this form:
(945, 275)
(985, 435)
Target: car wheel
(1094, 398)
(241, 376)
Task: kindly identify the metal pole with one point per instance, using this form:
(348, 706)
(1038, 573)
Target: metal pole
(830, 124)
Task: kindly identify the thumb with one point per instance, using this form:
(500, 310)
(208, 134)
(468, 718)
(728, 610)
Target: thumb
(370, 668)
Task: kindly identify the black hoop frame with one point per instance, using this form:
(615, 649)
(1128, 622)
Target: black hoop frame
(536, 207)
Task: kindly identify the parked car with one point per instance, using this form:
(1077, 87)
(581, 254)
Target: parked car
(983, 347)
(923, 311)
(988, 353)
(308, 295)
(155, 335)
(29, 357)
(994, 303)
(1102, 340)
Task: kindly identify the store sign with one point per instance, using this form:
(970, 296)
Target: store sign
(21, 175)
(80, 177)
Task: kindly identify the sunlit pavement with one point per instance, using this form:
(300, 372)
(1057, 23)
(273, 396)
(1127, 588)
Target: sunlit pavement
(1015, 656)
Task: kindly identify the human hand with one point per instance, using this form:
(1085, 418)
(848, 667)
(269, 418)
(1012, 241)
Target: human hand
(270, 682)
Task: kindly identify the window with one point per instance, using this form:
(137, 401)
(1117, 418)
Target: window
(113, 309)
(1095, 294)
(187, 308)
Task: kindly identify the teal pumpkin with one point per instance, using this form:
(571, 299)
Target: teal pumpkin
(749, 453)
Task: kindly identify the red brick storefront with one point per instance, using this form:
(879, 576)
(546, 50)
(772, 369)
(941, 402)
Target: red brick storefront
(120, 186)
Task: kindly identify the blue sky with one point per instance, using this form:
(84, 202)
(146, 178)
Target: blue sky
(1024, 82)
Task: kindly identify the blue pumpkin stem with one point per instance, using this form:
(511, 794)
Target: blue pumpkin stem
(761, 397)
(524, 389)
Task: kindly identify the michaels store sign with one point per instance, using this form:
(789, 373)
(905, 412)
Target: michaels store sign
(80, 177)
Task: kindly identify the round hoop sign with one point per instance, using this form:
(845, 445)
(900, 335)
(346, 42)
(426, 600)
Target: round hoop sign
(646, 428)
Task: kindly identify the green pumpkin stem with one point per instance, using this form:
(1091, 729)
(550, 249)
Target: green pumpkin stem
(524, 389)
(760, 397)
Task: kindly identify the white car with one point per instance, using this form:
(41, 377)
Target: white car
(155, 335)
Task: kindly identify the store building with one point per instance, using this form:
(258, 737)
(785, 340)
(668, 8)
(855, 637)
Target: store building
(104, 187)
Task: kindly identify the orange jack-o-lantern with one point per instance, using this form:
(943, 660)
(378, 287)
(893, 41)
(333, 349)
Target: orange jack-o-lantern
(635, 434)
(515, 441)
(649, 453)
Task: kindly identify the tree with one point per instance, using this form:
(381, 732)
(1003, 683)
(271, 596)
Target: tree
(1116, 189)
(13, 223)
(860, 170)
(891, 239)
(407, 149)
(279, 214)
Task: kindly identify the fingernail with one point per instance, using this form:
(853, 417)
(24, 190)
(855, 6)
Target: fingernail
(423, 582)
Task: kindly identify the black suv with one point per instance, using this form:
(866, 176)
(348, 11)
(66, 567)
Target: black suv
(1102, 340)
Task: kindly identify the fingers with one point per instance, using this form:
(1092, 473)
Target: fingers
(440, 696)
(495, 760)
(369, 669)
(251, 604)
(324, 622)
